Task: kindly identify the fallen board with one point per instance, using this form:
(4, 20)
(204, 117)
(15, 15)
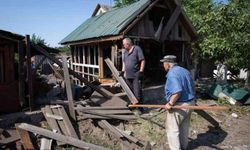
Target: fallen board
(65, 139)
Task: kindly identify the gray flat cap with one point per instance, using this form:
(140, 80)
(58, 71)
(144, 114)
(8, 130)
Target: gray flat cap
(169, 58)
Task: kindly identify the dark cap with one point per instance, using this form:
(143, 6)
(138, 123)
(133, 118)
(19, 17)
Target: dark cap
(169, 58)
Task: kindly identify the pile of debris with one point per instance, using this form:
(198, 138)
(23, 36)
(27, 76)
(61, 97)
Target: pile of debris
(62, 116)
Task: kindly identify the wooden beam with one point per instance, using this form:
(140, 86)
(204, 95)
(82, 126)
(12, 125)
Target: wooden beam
(55, 71)
(120, 117)
(96, 40)
(67, 123)
(110, 129)
(59, 137)
(29, 72)
(21, 73)
(120, 79)
(25, 138)
(175, 15)
(102, 108)
(38, 65)
(207, 117)
(68, 88)
(77, 75)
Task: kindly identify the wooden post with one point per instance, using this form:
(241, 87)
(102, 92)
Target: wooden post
(21, 73)
(68, 87)
(29, 72)
(100, 52)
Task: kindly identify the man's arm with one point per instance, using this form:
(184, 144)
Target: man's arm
(142, 66)
(173, 100)
(123, 66)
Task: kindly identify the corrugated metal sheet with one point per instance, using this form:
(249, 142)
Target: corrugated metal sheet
(106, 24)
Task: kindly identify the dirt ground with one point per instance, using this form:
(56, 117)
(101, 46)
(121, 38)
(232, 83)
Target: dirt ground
(233, 132)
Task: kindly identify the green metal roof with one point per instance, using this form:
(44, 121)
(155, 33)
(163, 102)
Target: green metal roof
(106, 24)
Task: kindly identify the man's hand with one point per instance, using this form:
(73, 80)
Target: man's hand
(168, 106)
(140, 76)
(121, 73)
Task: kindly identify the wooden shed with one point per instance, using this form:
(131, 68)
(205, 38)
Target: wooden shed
(159, 27)
(9, 100)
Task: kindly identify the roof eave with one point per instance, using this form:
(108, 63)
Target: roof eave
(94, 40)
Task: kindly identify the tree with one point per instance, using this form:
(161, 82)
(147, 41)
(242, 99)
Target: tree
(120, 3)
(38, 40)
(224, 31)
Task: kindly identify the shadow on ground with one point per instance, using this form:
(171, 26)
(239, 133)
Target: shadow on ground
(211, 138)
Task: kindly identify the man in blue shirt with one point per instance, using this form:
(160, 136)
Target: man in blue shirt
(179, 90)
(133, 67)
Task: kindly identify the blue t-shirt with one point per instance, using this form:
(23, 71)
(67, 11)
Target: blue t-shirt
(179, 80)
(132, 62)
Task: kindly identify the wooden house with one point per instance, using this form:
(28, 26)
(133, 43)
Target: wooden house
(159, 27)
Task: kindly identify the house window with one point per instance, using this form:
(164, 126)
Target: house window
(2, 68)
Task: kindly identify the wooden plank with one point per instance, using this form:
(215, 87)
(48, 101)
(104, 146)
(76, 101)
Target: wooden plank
(9, 140)
(130, 138)
(207, 117)
(65, 139)
(61, 123)
(67, 123)
(120, 79)
(106, 110)
(46, 144)
(99, 89)
(54, 116)
(55, 71)
(29, 73)
(102, 108)
(25, 138)
(110, 112)
(171, 23)
(110, 129)
(121, 117)
(52, 123)
(68, 88)
(21, 73)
